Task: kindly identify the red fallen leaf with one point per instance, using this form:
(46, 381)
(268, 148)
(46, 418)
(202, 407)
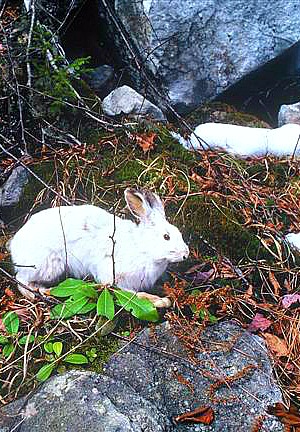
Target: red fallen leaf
(204, 183)
(3, 256)
(290, 299)
(289, 417)
(9, 293)
(259, 322)
(146, 141)
(202, 414)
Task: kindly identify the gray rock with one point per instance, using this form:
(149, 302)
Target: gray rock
(197, 49)
(102, 80)
(143, 389)
(84, 401)
(289, 114)
(125, 100)
(11, 191)
(225, 350)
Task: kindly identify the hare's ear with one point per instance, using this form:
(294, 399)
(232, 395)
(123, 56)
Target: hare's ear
(143, 204)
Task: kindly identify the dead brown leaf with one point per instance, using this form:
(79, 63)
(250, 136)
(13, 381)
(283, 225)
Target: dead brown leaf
(289, 417)
(205, 184)
(146, 141)
(276, 345)
(274, 283)
(202, 414)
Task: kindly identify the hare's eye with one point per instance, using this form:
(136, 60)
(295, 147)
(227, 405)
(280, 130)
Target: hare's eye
(166, 237)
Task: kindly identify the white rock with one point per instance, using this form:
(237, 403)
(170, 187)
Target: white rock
(289, 114)
(125, 100)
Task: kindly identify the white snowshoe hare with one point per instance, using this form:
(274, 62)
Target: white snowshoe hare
(77, 241)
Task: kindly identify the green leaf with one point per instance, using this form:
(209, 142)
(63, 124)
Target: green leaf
(105, 326)
(23, 339)
(57, 348)
(88, 290)
(77, 295)
(67, 287)
(3, 340)
(48, 347)
(76, 359)
(212, 318)
(68, 309)
(45, 371)
(11, 322)
(87, 308)
(7, 350)
(141, 308)
(105, 305)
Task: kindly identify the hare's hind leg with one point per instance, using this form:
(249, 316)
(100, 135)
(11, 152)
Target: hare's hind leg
(28, 290)
(159, 302)
(38, 277)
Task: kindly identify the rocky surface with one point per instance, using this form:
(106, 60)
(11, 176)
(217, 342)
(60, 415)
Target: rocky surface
(102, 80)
(143, 389)
(11, 191)
(198, 49)
(289, 114)
(125, 100)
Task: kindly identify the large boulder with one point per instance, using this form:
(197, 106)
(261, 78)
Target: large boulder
(146, 385)
(198, 49)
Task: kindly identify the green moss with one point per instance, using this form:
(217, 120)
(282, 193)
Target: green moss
(244, 119)
(104, 348)
(208, 218)
(220, 112)
(170, 147)
(130, 170)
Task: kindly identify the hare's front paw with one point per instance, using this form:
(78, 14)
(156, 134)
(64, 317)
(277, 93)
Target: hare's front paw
(158, 302)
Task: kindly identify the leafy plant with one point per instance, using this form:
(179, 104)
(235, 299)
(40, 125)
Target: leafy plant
(53, 75)
(53, 351)
(83, 297)
(203, 313)
(9, 343)
(91, 354)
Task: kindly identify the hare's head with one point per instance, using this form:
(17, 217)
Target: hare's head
(162, 239)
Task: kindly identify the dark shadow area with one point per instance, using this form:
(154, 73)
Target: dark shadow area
(85, 34)
(264, 90)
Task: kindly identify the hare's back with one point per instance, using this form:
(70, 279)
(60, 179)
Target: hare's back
(63, 223)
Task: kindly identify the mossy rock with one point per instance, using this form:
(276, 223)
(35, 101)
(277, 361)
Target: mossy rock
(219, 112)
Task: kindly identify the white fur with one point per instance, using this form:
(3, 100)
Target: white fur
(244, 141)
(76, 241)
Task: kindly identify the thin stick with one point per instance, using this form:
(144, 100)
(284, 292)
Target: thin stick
(28, 64)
